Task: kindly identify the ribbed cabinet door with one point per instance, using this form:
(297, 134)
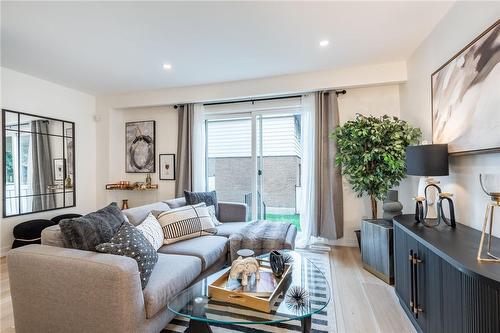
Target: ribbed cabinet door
(402, 282)
(480, 306)
(452, 298)
(429, 289)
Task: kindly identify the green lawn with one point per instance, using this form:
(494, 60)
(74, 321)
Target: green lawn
(294, 219)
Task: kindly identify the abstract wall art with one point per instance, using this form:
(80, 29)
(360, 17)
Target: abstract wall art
(466, 97)
(140, 147)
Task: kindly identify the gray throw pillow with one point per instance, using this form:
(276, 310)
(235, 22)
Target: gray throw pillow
(130, 242)
(86, 232)
(209, 198)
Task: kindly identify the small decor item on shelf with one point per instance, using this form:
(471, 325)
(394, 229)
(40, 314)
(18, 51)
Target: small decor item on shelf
(148, 180)
(124, 204)
(68, 183)
(490, 183)
(296, 298)
(245, 253)
(277, 263)
(245, 268)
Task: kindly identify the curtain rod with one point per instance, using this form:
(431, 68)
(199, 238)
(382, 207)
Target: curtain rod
(338, 92)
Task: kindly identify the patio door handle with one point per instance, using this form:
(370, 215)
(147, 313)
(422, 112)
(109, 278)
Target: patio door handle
(259, 172)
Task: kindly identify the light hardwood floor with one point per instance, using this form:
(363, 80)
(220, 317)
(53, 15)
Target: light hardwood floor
(362, 302)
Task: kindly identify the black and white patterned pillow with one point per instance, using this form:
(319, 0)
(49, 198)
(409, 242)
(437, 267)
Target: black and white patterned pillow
(130, 242)
(209, 198)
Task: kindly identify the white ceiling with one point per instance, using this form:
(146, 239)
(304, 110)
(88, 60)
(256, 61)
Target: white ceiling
(110, 47)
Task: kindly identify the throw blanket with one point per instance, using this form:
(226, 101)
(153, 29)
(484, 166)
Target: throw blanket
(259, 236)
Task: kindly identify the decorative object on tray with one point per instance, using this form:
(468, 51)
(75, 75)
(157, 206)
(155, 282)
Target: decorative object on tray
(391, 206)
(140, 147)
(167, 166)
(425, 161)
(465, 96)
(259, 294)
(277, 263)
(297, 298)
(490, 183)
(243, 268)
(245, 253)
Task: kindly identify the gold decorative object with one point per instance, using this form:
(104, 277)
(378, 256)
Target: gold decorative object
(124, 204)
(490, 184)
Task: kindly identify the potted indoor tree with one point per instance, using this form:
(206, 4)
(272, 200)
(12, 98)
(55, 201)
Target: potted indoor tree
(371, 152)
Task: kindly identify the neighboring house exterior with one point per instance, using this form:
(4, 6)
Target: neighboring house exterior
(229, 161)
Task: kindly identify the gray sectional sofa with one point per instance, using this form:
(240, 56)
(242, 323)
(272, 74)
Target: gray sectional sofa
(56, 289)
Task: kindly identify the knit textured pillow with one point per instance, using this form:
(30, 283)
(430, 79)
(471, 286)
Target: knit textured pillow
(86, 232)
(151, 229)
(209, 198)
(186, 222)
(130, 242)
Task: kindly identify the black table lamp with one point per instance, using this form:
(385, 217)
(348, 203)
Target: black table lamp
(427, 161)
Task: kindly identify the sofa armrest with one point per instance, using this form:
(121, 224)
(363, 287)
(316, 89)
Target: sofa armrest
(232, 212)
(66, 290)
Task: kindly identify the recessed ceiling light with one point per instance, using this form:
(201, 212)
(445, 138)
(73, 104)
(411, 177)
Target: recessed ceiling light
(324, 43)
(167, 67)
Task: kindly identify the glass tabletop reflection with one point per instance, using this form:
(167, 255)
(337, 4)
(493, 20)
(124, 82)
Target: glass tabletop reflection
(305, 278)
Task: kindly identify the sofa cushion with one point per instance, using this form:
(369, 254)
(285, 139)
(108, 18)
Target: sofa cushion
(151, 229)
(208, 248)
(209, 198)
(186, 222)
(52, 236)
(59, 218)
(229, 228)
(138, 214)
(130, 242)
(86, 232)
(176, 203)
(166, 282)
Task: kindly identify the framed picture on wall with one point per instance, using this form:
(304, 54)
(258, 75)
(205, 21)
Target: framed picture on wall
(167, 166)
(140, 147)
(466, 98)
(58, 169)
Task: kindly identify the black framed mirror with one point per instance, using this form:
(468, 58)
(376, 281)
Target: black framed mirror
(38, 163)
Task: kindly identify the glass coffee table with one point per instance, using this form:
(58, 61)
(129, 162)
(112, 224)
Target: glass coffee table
(202, 311)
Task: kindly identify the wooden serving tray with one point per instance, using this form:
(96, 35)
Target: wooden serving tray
(217, 291)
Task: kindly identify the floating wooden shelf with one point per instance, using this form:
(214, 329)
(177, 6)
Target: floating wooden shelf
(132, 187)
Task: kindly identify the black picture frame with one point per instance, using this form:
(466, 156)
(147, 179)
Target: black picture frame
(160, 166)
(72, 191)
(149, 138)
(478, 150)
(64, 171)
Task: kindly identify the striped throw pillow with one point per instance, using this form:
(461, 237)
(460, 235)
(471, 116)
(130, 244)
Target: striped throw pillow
(185, 223)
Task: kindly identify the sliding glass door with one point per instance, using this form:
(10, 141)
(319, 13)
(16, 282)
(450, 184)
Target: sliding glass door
(255, 158)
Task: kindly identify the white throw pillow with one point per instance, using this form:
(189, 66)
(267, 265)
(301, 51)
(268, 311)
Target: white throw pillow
(151, 229)
(211, 211)
(186, 222)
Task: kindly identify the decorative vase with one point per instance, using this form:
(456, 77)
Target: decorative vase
(277, 263)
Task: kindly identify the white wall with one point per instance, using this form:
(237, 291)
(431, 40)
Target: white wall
(20, 92)
(375, 101)
(464, 22)
(166, 143)
(108, 106)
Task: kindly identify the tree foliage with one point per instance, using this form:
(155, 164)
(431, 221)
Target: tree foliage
(371, 152)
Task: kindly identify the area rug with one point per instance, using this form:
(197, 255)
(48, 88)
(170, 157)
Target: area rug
(322, 322)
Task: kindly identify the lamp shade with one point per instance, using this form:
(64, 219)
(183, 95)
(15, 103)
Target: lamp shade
(427, 160)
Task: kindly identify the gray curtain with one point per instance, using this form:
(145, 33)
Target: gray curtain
(41, 163)
(328, 179)
(184, 159)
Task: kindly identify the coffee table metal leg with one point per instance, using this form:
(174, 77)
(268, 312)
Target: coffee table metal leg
(196, 326)
(306, 324)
